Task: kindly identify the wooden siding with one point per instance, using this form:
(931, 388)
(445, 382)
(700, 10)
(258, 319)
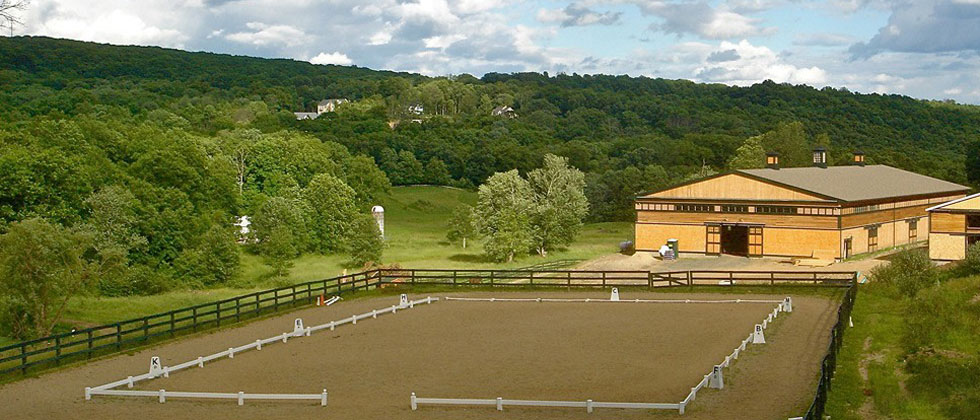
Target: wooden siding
(774, 220)
(735, 187)
(943, 246)
(883, 216)
(690, 238)
(800, 242)
(947, 222)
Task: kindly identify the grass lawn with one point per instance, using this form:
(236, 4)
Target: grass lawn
(415, 226)
(874, 377)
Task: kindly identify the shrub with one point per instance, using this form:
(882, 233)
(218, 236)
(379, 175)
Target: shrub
(971, 264)
(366, 244)
(214, 260)
(908, 272)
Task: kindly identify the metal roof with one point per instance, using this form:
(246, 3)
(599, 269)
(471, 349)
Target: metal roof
(856, 183)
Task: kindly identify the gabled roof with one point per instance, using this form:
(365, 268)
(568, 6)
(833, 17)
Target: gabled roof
(968, 203)
(856, 183)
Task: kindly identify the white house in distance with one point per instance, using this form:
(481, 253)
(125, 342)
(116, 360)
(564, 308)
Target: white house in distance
(503, 111)
(322, 107)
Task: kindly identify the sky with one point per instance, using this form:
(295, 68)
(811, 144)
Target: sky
(926, 49)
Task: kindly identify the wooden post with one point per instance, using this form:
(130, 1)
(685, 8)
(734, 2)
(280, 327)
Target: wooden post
(649, 280)
(491, 278)
(238, 309)
(568, 281)
(23, 358)
(171, 327)
(57, 350)
(194, 315)
(603, 279)
(146, 328)
(772, 278)
(89, 334)
(690, 280)
(118, 336)
(531, 278)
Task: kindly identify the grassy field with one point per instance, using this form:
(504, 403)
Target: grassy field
(911, 358)
(415, 226)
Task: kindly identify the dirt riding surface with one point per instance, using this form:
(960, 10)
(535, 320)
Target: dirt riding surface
(626, 352)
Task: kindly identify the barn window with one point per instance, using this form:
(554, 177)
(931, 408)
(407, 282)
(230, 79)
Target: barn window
(775, 209)
(872, 238)
(973, 221)
(732, 208)
(695, 208)
(913, 229)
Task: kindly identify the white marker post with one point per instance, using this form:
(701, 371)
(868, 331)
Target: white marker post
(615, 294)
(758, 337)
(788, 304)
(298, 329)
(155, 368)
(716, 381)
(403, 300)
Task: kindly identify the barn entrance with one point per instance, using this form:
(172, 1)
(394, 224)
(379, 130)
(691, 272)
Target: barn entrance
(735, 240)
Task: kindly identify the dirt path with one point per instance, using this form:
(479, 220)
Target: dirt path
(646, 261)
(611, 352)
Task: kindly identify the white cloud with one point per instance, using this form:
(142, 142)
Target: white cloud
(263, 34)
(751, 64)
(110, 26)
(332, 58)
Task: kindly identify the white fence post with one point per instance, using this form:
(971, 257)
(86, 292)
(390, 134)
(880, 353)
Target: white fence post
(258, 344)
(500, 404)
(231, 352)
(588, 403)
(415, 406)
(323, 398)
(88, 393)
(241, 398)
(163, 396)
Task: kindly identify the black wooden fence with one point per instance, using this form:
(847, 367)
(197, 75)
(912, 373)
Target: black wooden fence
(829, 363)
(47, 352)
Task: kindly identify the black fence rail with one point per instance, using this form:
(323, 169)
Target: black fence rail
(829, 364)
(47, 352)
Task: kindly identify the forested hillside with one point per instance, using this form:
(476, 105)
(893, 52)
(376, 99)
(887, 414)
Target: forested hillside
(132, 163)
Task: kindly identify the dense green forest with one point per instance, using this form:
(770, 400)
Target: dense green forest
(143, 157)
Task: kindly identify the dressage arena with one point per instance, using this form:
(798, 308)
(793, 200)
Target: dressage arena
(544, 354)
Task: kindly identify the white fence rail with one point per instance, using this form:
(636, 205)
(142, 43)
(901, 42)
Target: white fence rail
(298, 331)
(713, 379)
(163, 394)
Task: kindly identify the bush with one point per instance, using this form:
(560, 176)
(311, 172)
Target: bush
(366, 244)
(908, 272)
(971, 264)
(214, 260)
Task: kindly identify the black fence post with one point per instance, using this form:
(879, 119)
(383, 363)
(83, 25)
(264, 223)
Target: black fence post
(89, 336)
(23, 358)
(57, 350)
(118, 336)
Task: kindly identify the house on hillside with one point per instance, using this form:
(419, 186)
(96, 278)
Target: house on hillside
(322, 107)
(831, 212)
(503, 111)
(953, 227)
(329, 105)
(415, 109)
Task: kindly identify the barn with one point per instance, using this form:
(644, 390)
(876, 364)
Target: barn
(831, 212)
(953, 227)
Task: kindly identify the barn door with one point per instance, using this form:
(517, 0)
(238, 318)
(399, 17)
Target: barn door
(713, 239)
(755, 241)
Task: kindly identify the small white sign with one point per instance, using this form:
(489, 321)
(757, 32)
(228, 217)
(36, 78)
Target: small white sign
(757, 336)
(615, 295)
(788, 304)
(403, 300)
(298, 329)
(156, 369)
(716, 381)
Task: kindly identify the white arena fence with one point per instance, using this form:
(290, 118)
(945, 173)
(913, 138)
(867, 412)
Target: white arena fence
(713, 379)
(157, 370)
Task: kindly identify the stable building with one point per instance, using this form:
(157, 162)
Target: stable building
(827, 212)
(953, 227)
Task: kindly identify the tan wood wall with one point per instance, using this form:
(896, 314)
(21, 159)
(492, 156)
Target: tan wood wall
(735, 187)
(948, 222)
(799, 242)
(944, 246)
(970, 204)
(690, 238)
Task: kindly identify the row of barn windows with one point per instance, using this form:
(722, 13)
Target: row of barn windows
(738, 208)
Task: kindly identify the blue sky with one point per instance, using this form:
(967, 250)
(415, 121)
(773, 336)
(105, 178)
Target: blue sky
(925, 49)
